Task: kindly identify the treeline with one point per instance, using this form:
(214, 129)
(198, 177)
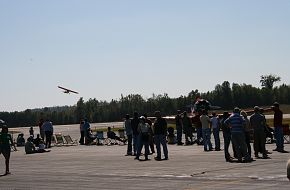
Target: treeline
(225, 95)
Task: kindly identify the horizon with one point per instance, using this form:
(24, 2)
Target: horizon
(145, 98)
(103, 49)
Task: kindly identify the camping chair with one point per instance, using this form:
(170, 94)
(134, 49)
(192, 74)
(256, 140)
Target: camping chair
(100, 137)
(171, 139)
(69, 140)
(59, 139)
(122, 136)
(53, 141)
(286, 133)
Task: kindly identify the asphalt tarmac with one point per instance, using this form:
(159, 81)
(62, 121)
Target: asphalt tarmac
(107, 167)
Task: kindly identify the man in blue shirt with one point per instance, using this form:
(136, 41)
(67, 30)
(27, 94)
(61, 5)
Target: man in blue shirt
(236, 122)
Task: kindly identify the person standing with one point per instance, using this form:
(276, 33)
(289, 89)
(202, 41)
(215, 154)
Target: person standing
(129, 134)
(48, 130)
(143, 129)
(5, 148)
(41, 131)
(206, 130)
(214, 122)
(197, 124)
(179, 127)
(227, 136)
(278, 128)
(187, 129)
(258, 123)
(151, 135)
(160, 132)
(237, 122)
(248, 131)
(87, 132)
(82, 132)
(134, 123)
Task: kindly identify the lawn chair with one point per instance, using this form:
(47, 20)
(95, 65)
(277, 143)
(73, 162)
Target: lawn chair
(53, 141)
(69, 140)
(286, 133)
(100, 137)
(59, 139)
(122, 136)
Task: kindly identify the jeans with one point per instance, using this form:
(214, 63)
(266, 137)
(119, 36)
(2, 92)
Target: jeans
(206, 139)
(129, 147)
(278, 132)
(227, 141)
(48, 135)
(82, 137)
(135, 143)
(161, 140)
(248, 142)
(179, 133)
(146, 144)
(239, 142)
(216, 135)
(198, 134)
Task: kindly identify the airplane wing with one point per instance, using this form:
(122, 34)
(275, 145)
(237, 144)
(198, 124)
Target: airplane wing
(66, 90)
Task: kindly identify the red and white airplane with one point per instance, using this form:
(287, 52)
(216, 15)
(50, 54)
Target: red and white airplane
(67, 91)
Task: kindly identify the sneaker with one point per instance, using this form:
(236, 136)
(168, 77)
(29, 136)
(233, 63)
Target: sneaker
(166, 158)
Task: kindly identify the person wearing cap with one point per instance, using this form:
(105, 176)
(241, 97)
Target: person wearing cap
(179, 126)
(258, 123)
(5, 149)
(160, 132)
(143, 129)
(236, 122)
(278, 128)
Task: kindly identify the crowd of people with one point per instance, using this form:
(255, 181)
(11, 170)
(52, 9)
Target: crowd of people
(237, 128)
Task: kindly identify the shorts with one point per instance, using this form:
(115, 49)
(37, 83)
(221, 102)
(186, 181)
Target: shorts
(5, 150)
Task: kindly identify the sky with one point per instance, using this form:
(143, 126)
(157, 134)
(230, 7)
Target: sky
(105, 48)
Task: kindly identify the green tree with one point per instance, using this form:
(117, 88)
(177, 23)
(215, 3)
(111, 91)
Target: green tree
(267, 81)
